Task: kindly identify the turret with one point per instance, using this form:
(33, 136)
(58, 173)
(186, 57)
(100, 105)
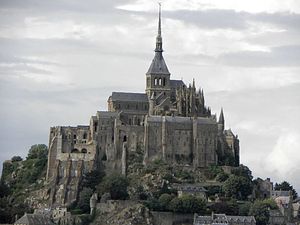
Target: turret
(151, 105)
(221, 122)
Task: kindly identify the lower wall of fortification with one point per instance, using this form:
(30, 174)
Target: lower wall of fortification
(169, 218)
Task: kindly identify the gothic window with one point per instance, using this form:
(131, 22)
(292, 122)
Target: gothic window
(125, 138)
(74, 137)
(155, 81)
(84, 136)
(159, 82)
(95, 126)
(164, 81)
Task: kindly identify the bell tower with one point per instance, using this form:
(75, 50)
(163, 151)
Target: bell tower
(158, 75)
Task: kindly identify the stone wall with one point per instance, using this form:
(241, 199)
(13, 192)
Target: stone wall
(169, 218)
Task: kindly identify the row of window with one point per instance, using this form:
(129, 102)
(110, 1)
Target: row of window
(75, 150)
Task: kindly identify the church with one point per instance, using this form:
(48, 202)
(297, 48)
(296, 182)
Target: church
(168, 122)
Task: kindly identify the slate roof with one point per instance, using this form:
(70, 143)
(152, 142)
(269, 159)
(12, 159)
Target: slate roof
(34, 219)
(129, 97)
(176, 83)
(180, 119)
(192, 188)
(158, 65)
(223, 219)
(107, 114)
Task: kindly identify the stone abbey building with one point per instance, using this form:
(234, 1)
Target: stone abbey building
(169, 122)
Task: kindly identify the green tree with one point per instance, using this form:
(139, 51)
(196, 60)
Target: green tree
(285, 186)
(230, 207)
(164, 201)
(176, 205)
(38, 151)
(84, 199)
(192, 204)
(187, 204)
(244, 209)
(260, 211)
(16, 159)
(237, 187)
(221, 177)
(243, 171)
(93, 178)
(116, 185)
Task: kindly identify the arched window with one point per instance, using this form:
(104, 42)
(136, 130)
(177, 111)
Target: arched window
(83, 150)
(159, 81)
(125, 138)
(74, 136)
(155, 81)
(85, 136)
(164, 81)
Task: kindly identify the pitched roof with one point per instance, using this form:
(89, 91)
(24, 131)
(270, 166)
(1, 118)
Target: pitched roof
(176, 83)
(34, 219)
(129, 97)
(158, 65)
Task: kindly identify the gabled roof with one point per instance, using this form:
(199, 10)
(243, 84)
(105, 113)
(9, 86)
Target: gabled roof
(34, 219)
(176, 83)
(129, 97)
(158, 65)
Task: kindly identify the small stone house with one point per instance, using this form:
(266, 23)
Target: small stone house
(195, 190)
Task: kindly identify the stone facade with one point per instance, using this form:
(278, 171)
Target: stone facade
(169, 122)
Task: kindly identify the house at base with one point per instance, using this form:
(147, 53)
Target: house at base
(223, 219)
(34, 219)
(190, 189)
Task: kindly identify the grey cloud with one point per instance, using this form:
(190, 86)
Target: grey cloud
(210, 19)
(62, 5)
(215, 18)
(279, 56)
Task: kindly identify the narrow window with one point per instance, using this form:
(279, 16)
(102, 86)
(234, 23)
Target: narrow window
(159, 82)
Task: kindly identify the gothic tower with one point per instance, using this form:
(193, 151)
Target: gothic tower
(158, 75)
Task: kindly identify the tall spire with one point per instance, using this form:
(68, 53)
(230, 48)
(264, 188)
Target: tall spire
(159, 38)
(221, 118)
(158, 65)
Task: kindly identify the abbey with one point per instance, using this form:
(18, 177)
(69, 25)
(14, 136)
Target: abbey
(169, 122)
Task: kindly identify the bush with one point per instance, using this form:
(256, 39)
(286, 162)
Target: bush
(38, 151)
(261, 212)
(116, 185)
(187, 204)
(229, 208)
(164, 201)
(16, 158)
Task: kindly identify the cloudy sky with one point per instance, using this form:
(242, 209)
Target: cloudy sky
(60, 60)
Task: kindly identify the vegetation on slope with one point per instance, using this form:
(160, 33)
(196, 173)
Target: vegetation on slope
(19, 178)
